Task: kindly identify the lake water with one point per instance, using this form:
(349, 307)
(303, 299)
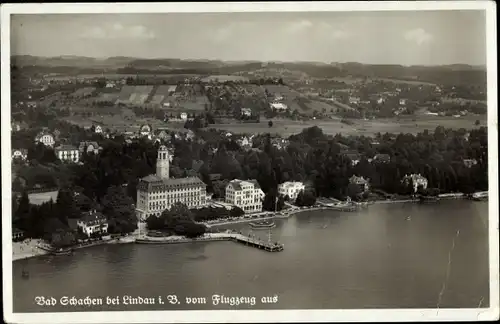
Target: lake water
(387, 256)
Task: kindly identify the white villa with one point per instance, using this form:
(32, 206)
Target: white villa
(278, 106)
(46, 139)
(245, 194)
(354, 100)
(93, 223)
(19, 154)
(291, 189)
(246, 112)
(417, 179)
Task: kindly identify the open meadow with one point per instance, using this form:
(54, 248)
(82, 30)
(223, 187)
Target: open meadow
(124, 122)
(224, 78)
(360, 127)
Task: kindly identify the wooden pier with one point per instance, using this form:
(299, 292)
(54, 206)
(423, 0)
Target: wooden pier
(235, 237)
(256, 243)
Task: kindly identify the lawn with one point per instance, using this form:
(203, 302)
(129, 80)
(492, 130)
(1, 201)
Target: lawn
(360, 127)
(398, 81)
(87, 91)
(224, 78)
(123, 122)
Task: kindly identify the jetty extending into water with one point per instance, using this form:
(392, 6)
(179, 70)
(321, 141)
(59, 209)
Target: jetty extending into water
(235, 237)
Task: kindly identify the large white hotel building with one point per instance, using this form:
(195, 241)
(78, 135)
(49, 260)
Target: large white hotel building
(246, 195)
(158, 192)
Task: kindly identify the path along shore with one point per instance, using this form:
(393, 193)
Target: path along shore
(30, 247)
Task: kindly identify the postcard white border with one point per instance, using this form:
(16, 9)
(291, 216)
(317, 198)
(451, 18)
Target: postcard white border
(254, 316)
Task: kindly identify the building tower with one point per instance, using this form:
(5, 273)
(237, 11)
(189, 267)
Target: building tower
(162, 163)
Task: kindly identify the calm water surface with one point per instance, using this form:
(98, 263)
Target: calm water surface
(388, 256)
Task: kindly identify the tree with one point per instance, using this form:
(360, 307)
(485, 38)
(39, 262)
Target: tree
(62, 239)
(270, 123)
(66, 206)
(236, 212)
(353, 190)
(22, 215)
(118, 207)
(305, 198)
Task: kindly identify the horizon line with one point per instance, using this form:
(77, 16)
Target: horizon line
(62, 56)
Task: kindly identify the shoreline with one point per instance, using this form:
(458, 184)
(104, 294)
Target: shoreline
(331, 208)
(34, 249)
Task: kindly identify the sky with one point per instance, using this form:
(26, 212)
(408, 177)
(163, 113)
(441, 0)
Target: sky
(397, 37)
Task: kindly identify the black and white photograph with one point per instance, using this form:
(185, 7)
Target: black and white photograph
(249, 162)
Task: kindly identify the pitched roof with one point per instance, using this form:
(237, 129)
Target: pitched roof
(357, 180)
(237, 183)
(93, 218)
(65, 147)
(154, 182)
(384, 157)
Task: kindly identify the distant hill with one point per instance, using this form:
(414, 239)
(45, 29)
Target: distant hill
(70, 61)
(444, 74)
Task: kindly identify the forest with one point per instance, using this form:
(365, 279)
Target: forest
(108, 181)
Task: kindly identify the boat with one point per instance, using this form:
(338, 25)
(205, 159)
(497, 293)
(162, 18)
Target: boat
(479, 196)
(263, 224)
(62, 252)
(426, 199)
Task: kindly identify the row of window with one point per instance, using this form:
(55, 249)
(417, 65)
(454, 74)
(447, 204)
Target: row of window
(175, 195)
(168, 205)
(170, 190)
(251, 208)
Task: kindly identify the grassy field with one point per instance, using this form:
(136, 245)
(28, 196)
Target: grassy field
(360, 127)
(119, 122)
(286, 91)
(286, 127)
(224, 78)
(398, 81)
(114, 76)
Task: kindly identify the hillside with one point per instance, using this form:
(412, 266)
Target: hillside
(456, 74)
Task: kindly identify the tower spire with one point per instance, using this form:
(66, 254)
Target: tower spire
(163, 163)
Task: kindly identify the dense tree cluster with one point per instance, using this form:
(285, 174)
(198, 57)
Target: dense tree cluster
(110, 178)
(178, 220)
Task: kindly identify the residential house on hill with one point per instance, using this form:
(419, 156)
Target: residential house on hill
(89, 147)
(19, 154)
(247, 112)
(355, 157)
(245, 142)
(382, 158)
(278, 106)
(98, 129)
(280, 143)
(469, 163)
(46, 139)
(364, 184)
(354, 100)
(146, 130)
(68, 153)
